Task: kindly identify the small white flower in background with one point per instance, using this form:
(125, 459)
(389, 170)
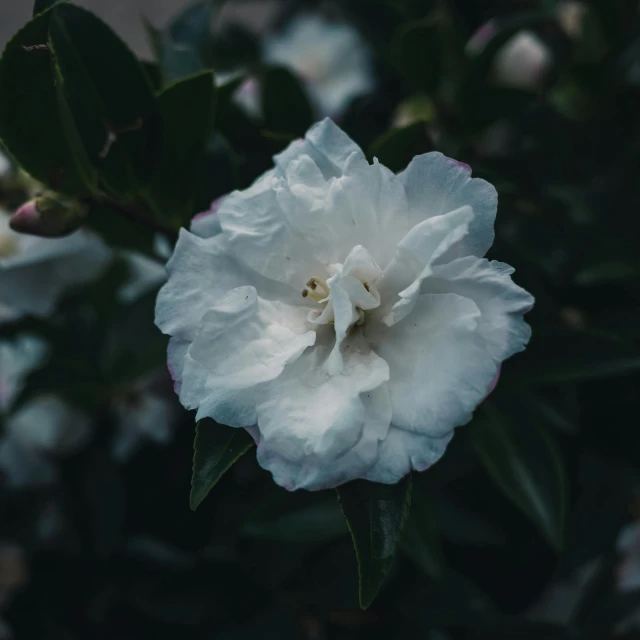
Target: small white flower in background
(521, 62)
(43, 427)
(342, 314)
(571, 17)
(5, 165)
(330, 58)
(146, 411)
(146, 273)
(35, 272)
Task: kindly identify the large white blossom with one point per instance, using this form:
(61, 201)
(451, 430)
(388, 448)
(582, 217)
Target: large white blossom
(342, 314)
(35, 272)
(330, 58)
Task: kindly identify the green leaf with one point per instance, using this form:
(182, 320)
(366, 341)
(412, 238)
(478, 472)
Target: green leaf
(110, 97)
(421, 541)
(215, 448)
(188, 113)
(525, 463)
(376, 515)
(395, 148)
(30, 124)
(416, 49)
(40, 6)
(285, 104)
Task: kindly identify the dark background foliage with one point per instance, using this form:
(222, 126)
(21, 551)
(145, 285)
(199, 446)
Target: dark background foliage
(537, 486)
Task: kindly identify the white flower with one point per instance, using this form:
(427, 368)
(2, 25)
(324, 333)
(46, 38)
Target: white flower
(330, 58)
(144, 412)
(43, 427)
(520, 63)
(35, 272)
(343, 314)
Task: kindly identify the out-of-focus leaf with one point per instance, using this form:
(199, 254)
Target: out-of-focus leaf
(395, 148)
(40, 6)
(314, 522)
(188, 112)
(417, 51)
(421, 541)
(376, 515)
(215, 448)
(575, 356)
(285, 105)
(110, 97)
(524, 462)
(30, 124)
(522, 630)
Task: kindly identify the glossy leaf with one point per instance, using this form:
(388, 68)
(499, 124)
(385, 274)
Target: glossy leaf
(110, 97)
(376, 515)
(421, 541)
(40, 6)
(215, 448)
(188, 113)
(525, 463)
(284, 102)
(30, 124)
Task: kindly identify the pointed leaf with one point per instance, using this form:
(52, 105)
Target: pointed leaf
(376, 515)
(525, 463)
(30, 124)
(40, 6)
(188, 113)
(110, 97)
(215, 448)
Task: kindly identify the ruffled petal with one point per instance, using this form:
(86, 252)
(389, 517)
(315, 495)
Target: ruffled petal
(318, 431)
(501, 302)
(436, 185)
(244, 341)
(201, 272)
(440, 366)
(404, 451)
(413, 262)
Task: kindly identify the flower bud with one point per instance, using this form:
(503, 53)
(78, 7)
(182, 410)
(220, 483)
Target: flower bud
(49, 216)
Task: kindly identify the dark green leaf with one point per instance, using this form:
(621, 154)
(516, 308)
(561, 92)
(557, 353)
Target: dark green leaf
(421, 540)
(30, 125)
(215, 448)
(188, 112)
(395, 148)
(284, 102)
(110, 97)
(40, 6)
(376, 515)
(524, 462)
(417, 51)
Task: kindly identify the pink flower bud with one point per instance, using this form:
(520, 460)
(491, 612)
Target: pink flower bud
(49, 217)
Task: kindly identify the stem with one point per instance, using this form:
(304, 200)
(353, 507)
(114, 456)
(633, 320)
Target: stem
(138, 216)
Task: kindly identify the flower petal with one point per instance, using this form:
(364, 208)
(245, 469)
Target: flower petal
(404, 451)
(243, 342)
(501, 302)
(436, 185)
(440, 367)
(318, 431)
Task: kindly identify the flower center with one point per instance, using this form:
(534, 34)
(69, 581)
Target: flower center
(317, 290)
(8, 246)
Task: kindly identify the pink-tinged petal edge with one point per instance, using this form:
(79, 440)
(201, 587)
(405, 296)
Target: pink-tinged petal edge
(215, 205)
(494, 382)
